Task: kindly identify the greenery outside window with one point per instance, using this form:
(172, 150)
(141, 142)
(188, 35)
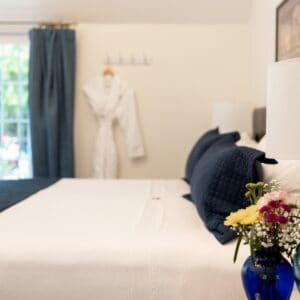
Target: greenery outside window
(15, 144)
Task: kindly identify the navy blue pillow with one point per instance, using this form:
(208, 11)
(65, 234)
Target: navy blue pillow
(218, 183)
(198, 150)
(202, 145)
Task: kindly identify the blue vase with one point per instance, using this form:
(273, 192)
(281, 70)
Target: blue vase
(269, 276)
(297, 267)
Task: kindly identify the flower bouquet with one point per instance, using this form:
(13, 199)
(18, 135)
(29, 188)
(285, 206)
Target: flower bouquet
(271, 227)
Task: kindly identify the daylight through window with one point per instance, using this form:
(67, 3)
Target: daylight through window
(15, 147)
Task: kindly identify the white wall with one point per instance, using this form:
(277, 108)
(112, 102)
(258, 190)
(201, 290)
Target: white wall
(263, 26)
(193, 65)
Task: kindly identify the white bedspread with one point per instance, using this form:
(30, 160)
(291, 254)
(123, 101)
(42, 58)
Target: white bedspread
(113, 240)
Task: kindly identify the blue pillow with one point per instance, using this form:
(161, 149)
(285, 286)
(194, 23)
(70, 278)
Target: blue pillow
(218, 183)
(198, 150)
(204, 143)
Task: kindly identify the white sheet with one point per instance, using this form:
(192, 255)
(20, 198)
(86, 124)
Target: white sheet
(113, 240)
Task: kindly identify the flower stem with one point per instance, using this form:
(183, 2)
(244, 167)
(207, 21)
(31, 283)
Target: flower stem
(237, 247)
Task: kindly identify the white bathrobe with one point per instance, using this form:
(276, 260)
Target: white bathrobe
(116, 102)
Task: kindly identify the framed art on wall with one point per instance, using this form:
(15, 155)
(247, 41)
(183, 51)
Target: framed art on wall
(288, 30)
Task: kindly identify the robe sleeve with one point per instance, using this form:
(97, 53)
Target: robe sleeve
(130, 126)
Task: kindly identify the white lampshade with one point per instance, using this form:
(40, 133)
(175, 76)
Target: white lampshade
(232, 116)
(283, 110)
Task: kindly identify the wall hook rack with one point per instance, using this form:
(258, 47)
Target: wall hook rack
(128, 60)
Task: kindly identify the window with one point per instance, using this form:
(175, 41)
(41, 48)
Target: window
(15, 147)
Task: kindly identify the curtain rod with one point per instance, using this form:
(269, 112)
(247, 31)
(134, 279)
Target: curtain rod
(40, 23)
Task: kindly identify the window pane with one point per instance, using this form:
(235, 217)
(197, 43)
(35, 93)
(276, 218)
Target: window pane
(9, 61)
(23, 130)
(24, 109)
(11, 147)
(24, 65)
(10, 129)
(11, 73)
(24, 146)
(24, 163)
(1, 99)
(8, 168)
(9, 154)
(15, 156)
(10, 100)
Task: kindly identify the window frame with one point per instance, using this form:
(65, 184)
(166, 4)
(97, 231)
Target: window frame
(16, 36)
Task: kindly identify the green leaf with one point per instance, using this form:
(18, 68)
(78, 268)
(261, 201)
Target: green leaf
(238, 243)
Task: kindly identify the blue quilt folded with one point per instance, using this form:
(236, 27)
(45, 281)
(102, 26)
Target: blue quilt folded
(198, 149)
(202, 145)
(218, 184)
(15, 191)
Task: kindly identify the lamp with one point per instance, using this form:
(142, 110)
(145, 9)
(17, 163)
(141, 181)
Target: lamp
(283, 119)
(283, 110)
(232, 116)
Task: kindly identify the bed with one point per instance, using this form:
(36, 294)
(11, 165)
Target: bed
(96, 243)
(85, 239)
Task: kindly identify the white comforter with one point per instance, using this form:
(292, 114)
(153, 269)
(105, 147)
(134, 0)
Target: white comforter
(113, 240)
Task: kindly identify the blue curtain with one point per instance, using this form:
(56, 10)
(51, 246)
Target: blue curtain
(51, 100)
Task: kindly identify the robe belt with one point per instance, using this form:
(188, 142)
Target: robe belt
(105, 121)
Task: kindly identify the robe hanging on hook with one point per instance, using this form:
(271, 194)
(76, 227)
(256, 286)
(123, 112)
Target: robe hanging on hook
(108, 72)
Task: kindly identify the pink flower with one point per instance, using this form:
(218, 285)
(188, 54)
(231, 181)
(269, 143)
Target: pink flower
(282, 220)
(275, 203)
(273, 197)
(265, 209)
(274, 218)
(263, 201)
(271, 218)
(285, 207)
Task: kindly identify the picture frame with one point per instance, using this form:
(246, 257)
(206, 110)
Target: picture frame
(288, 30)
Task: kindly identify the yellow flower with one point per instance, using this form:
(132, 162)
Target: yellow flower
(235, 218)
(250, 219)
(247, 216)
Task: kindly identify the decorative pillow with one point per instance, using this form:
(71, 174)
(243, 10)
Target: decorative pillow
(286, 172)
(204, 143)
(218, 183)
(198, 150)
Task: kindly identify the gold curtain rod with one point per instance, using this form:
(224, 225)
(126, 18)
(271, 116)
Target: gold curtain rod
(56, 24)
(42, 24)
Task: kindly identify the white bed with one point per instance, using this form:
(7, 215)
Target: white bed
(113, 240)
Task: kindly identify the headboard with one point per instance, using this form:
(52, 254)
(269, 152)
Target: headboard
(259, 123)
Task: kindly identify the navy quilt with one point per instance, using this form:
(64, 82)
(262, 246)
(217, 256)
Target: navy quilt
(15, 191)
(218, 184)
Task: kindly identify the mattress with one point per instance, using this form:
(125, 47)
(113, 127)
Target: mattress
(113, 240)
